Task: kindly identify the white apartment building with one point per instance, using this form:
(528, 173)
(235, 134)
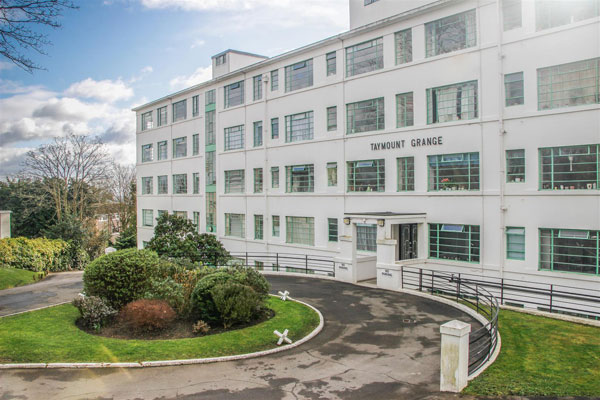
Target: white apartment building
(456, 135)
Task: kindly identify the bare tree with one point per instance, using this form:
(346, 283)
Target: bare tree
(121, 185)
(18, 22)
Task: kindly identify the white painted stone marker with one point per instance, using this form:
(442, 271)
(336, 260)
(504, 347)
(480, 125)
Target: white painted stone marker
(454, 364)
(284, 295)
(282, 337)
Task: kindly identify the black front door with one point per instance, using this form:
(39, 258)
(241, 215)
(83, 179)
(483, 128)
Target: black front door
(408, 241)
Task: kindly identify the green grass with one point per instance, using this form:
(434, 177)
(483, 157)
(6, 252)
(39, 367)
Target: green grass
(50, 335)
(12, 277)
(542, 357)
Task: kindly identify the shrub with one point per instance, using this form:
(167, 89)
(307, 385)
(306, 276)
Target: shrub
(202, 304)
(94, 311)
(147, 315)
(168, 290)
(121, 277)
(236, 303)
(48, 255)
(201, 327)
(251, 277)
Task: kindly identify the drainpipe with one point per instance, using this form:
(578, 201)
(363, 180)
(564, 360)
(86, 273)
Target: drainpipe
(502, 139)
(266, 172)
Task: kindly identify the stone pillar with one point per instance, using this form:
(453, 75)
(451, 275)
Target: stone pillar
(454, 364)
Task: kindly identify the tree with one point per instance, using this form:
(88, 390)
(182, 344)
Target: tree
(127, 238)
(18, 21)
(30, 204)
(121, 185)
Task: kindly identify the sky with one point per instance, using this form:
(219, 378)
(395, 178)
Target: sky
(112, 55)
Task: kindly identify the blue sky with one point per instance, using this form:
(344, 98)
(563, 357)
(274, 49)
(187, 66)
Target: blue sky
(112, 55)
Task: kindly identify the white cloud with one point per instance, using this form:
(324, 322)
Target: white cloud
(197, 43)
(11, 159)
(200, 75)
(105, 90)
(6, 65)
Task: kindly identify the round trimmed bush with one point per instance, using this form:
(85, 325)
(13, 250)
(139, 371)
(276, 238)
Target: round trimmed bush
(121, 277)
(253, 278)
(203, 306)
(236, 303)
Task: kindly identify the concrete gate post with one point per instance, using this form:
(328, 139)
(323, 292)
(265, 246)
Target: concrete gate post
(454, 364)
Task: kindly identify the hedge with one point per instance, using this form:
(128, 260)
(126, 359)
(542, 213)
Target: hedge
(40, 255)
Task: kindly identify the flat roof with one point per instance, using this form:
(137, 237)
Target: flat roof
(238, 52)
(385, 214)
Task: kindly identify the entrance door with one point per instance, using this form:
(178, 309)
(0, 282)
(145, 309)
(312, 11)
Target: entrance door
(408, 241)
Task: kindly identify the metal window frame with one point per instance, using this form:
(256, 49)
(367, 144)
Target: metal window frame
(274, 177)
(177, 142)
(179, 110)
(159, 150)
(300, 230)
(367, 55)
(366, 238)
(554, 183)
(147, 189)
(435, 175)
(234, 137)
(511, 82)
(195, 105)
(195, 144)
(258, 180)
(232, 217)
(434, 104)
(179, 183)
(406, 179)
(258, 227)
(162, 184)
(515, 233)
(332, 229)
(161, 116)
(332, 177)
(257, 87)
(258, 133)
(469, 236)
(274, 80)
(275, 128)
(295, 80)
(295, 131)
(145, 147)
(145, 120)
(145, 221)
(306, 184)
(331, 118)
(573, 249)
(515, 161)
(331, 63)
(512, 14)
(433, 30)
(405, 110)
(232, 97)
(353, 182)
(275, 226)
(366, 123)
(403, 46)
(238, 186)
(196, 183)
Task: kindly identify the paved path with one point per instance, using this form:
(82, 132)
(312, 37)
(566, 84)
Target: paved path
(376, 344)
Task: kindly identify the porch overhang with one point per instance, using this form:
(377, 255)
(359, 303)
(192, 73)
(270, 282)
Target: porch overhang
(387, 216)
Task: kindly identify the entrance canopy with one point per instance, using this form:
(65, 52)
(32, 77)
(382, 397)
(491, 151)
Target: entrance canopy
(383, 218)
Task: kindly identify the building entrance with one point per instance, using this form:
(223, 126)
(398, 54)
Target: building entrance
(407, 241)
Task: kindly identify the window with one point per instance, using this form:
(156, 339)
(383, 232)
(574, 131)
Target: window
(406, 174)
(196, 182)
(569, 85)
(551, 13)
(161, 116)
(210, 98)
(258, 180)
(299, 75)
(257, 87)
(162, 212)
(180, 214)
(572, 167)
(368, 2)
(211, 178)
(366, 176)
(180, 147)
(366, 237)
(147, 153)
(147, 120)
(364, 57)
(515, 243)
(180, 110)
(332, 118)
(454, 172)
(180, 184)
(332, 229)
(274, 128)
(196, 216)
(234, 137)
(404, 110)
(454, 242)
(300, 178)
(570, 250)
(513, 89)
(299, 127)
(403, 41)
(220, 60)
(162, 150)
(258, 136)
(449, 34)
(195, 106)
(209, 128)
(234, 181)
(195, 144)
(364, 116)
(163, 184)
(211, 212)
(332, 174)
(258, 227)
(300, 230)
(274, 80)
(147, 185)
(235, 225)
(275, 229)
(147, 217)
(234, 94)
(515, 166)
(452, 102)
(511, 14)
(274, 177)
(330, 60)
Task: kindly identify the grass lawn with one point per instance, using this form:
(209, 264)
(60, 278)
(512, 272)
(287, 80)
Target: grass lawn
(12, 277)
(542, 357)
(50, 335)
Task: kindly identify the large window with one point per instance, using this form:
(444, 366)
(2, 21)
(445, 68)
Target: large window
(366, 237)
(300, 178)
(258, 134)
(258, 227)
(299, 75)
(332, 229)
(147, 153)
(300, 230)
(147, 120)
(234, 94)
(511, 14)
(454, 242)
(195, 106)
(234, 181)
(258, 180)
(404, 110)
(235, 225)
(147, 185)
(196, 183)
(406, 174)
(211, 177)
(163, 184)
(515, 166)
(570, 250)
(180, 147)
(210, 98)
(209, 128)
(161, 116)
(275, 80)
(276, 226)
(274, 177)
(331, 118)
(366, 176)
(364, 57)
(274, 128)
(569, 85)
(180, 184)
(513, 89)
(147, 217)
(403, 46)
(452, 33)
(515, 243)
(257, 87)
(454, 172)
(180, 110)
(553, 13)
(330, 59)
(332, 174)
(195, 144)
(572, 167)
(299, 127)
(234, 137)
(162, 150)
(452, 103)
(364, 116)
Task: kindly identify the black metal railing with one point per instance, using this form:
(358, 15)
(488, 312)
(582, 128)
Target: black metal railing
(287, 262)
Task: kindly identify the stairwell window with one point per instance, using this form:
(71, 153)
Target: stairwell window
(365, 116)
(299, 75)
(234, 94)
(196, 182)
(211, 178)
(366, 176)
(364, 57)
(299, 127)
(456, 32)
(209, 128)
(452, 102)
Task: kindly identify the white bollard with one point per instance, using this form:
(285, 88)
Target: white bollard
(284, 295)
(454, 364)
(282, 337)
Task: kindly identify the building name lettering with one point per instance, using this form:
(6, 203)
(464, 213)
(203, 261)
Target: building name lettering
(415, 142)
